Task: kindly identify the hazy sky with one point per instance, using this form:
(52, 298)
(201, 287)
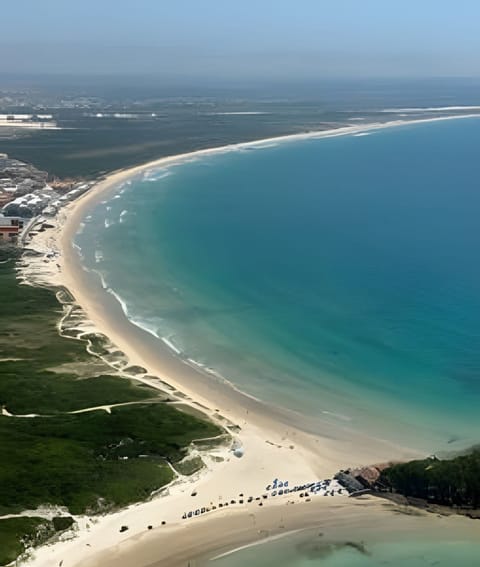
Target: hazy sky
(242, 38)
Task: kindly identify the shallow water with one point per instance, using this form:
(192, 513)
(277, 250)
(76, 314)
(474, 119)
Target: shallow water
(337, 277)
(306, 551)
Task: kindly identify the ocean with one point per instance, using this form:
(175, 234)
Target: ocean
(337, 277)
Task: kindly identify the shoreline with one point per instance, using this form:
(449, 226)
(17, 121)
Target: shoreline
(276, 441)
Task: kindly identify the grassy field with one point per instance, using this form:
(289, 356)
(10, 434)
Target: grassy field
(93, 461)
(88, 462)
(33, 357)
(88, 146)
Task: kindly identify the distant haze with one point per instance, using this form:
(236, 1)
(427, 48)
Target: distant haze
(236, 39)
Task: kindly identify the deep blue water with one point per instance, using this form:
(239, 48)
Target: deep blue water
(338, 277)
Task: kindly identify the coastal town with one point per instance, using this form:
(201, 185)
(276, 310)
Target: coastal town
(28, 198)
(15, 122)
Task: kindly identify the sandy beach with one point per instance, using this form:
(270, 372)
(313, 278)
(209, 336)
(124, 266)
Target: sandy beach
(276, 443)
(359, 521)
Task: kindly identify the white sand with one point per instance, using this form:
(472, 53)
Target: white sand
(273, 446)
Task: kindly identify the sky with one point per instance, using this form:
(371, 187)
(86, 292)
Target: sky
(242, 39)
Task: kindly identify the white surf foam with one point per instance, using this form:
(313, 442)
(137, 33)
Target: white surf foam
(170, 345)
(239, 113)
(264, 146)
(337, 415)
(195, 362)
(101, 278)
(116, 296)
(144, 326)
(156, 174)
(430, 109)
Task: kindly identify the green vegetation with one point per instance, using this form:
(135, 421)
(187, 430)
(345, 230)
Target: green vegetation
(16, 534)
(189, 466)
(62, 523)
(450, 482)
(23, 391)
(92, 461)
(87, 146)
(32, 354)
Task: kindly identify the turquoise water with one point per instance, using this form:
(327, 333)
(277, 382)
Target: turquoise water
(338, 277)
(295, 551)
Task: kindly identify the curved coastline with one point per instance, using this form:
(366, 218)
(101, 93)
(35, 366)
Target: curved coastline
(266, 432)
